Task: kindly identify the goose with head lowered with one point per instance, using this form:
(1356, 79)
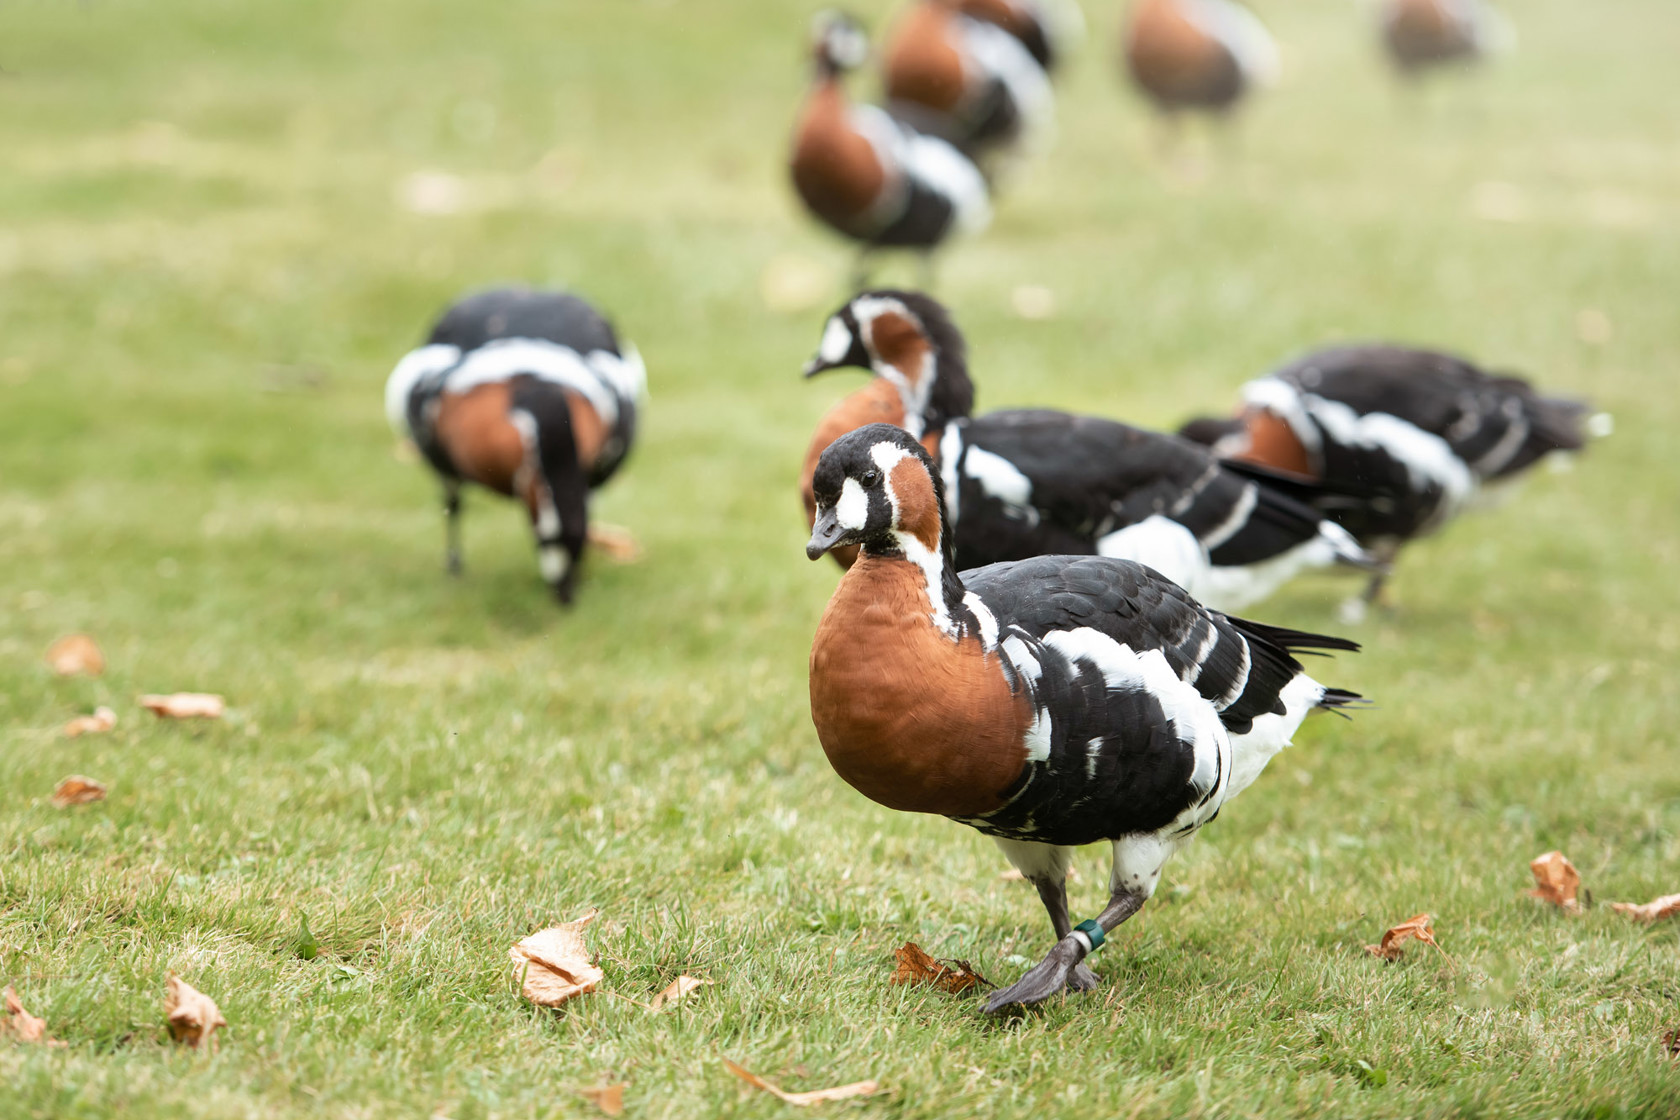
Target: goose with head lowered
(1048, 703)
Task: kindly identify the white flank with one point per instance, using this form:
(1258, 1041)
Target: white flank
(998, 477)
(1020, 659)
(1232, 587)
(985, 618)
(1428, 458)
(1271, 733)
(503, 358)
(624, 372)
(852, 510)
(415, 365)
(946, 171)
(1243, 34)
(1002, 54)
(1037, 739)
(1163, 544)
(1034, 860)
(1138, 861)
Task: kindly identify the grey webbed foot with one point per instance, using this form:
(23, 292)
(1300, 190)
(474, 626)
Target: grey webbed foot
(1060, 969)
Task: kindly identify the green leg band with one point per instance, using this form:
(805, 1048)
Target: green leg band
(1093, 933)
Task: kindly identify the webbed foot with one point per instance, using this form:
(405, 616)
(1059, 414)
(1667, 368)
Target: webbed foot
(1062, 968)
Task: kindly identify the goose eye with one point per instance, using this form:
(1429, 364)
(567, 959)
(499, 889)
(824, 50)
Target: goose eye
(870, 477)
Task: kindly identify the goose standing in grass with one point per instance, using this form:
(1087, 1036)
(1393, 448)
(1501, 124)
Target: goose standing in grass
(1029, 482)
(967, 80)
(1047, 28)
(529, 394)
(1420, 35)
(1393, 442)
(874, 179)
(1197, 55)
(1049, 703)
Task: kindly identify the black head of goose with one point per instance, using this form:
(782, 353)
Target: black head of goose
(529, 394)
(1048, 703)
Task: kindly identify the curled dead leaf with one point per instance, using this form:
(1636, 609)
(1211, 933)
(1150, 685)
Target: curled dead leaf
(1665, 907)
(1393, 945)
(552, 965)
(76, 654)
(608, 1098)
(616, 541)
(21, 1025)
(102, 720)
(814, 1096)
(677, 989)
(193, 1016)
(1556, 881)
(185, 705)
(914, 966)
(77, 790)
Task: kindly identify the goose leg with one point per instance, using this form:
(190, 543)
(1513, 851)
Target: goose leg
(1060, 968)
(452, 527)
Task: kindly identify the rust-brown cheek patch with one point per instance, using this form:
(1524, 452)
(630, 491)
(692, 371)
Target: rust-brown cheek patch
(1273, 443)
(918, 505)
(901, 344)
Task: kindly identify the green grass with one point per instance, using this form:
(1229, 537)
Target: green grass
(203, 281)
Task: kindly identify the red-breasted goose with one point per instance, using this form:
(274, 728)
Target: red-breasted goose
(1049, 703)
(529, 394)
(1197, 54)
(1420, 35)
(1027, 482)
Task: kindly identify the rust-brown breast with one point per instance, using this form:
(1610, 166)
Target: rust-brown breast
(1170, 57)
(923, 65)
(908, 717)
(835, 170)
(1273, 443)
(479, 437)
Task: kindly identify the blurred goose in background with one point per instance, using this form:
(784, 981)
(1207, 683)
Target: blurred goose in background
(1423, 34)
(1201, 55)
(968, 81)
(1393, 442)
(529, 394)
(1034, 482)
(1047, 28)
(876, 180)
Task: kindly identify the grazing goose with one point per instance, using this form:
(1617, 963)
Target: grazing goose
(1197, 54)
(1047, 28)
(529, 394)
(1027, 482)
(968, 81)
(1049, 703)
(874, 179)
(1424, 34)
(1392, 442)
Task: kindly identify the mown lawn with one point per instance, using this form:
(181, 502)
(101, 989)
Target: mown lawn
(209, 259)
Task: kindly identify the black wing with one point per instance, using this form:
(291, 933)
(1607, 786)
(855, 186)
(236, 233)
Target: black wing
(522, 313)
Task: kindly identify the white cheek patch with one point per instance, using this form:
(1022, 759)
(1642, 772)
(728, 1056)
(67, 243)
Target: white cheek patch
(852, 510)
(836, 340)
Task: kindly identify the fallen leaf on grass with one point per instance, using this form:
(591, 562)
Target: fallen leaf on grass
(1393, 945)
(916, 967)
(1671, 1042)
(102, 720)
(77, 790)
(76, 654)
(21, 1025)
(616, 541)
(1665, 907)
(552, 964)
(608, 1098)
(185, 705)
(192, 1015)
(1556, 881)
(815, 1096)
(678, 988)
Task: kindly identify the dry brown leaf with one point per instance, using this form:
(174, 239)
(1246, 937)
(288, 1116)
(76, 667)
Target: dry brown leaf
(77, 790)
(916, 967)
(815, 1096)
(1556, 881)
(608, 1098)
(616, 541)
(1671, 1042)
(76, 654)
(1393, 945)
(21, 1025)
(192, 1015)
(1665, 907)
(553, 965)
(102, 720)
(677, 989)
(185, 705)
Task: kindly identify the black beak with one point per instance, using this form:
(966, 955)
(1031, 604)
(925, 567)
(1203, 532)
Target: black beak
(825, 534)
(817, 365)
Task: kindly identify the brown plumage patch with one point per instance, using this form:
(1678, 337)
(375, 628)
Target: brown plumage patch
(835, 170)
(480, 438)
(876, 403)
(1418, 32)
(588, 430)
(923, 65)
(918, 505)
(900, 343)
(908, 717)
(1175, 61)
(1273, 443)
